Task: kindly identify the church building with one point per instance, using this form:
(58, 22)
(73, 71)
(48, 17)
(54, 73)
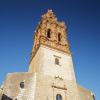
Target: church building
(51, 73)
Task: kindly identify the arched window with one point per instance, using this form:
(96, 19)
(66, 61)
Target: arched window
(58, 97)
(56, 61)
(22, 85)
(59, 37)
(48, 33)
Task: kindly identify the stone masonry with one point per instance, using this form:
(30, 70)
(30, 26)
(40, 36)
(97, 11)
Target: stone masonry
(51, 73)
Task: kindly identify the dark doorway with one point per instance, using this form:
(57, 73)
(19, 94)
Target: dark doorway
(58, 97)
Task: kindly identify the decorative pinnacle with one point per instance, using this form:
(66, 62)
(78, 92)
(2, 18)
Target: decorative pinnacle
(50, 11)
(49, 14)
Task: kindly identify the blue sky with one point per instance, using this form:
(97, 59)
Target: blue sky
(19, 18)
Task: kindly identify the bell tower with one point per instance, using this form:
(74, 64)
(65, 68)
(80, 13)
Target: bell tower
(51, 61)
(51, 33)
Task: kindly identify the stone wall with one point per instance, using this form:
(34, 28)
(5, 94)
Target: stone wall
(48, 72)
(13, 89)
(85, 94)
(42, 87)
(48, 87)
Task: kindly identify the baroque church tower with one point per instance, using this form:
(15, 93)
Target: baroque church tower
(52, 61)
(51, 74)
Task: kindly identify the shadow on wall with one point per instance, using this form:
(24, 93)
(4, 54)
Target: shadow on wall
(5, 97)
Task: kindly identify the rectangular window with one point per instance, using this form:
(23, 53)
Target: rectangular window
(56, 61)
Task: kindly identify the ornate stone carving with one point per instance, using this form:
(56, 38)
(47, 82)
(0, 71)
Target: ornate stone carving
(49, 21)
(59, 87)
(58, 77)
